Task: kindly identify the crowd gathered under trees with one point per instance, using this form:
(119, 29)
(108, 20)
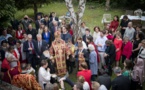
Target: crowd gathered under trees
(42, 58)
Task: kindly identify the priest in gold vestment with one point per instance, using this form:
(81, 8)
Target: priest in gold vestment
(59, 52)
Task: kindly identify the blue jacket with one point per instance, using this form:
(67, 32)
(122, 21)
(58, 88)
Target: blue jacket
(93, 62)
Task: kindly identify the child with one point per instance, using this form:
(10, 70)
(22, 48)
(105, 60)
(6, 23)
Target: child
(30, 70)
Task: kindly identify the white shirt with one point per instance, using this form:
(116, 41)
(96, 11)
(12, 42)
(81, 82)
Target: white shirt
(101, 40)
(102, 87)
(84, 45)
(43, 76)
(95, 36)
(86, 86)
(142, 53)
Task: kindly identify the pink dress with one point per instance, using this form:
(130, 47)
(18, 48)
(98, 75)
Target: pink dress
(118, 44)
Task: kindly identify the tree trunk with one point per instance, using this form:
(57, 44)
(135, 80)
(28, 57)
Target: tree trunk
(76, 16)
(35, 10)
(107, 5)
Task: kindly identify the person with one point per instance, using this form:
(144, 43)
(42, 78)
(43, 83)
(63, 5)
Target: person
(78, 86)
(55, 86)
(38, 22)
(47, 36)
(109, 55)
(138, 30)
(25, 22)
(5, 35)
(19, 47)
(127, 68)
(81, 55)
(46, 21)
(137, 75)
(44, 75)
(69, 29)
(123, 24)
(4, 45)
(31, 31)
(120, 82)
(83, 28)
(30, 48)
(104, 79)
(100, 43)
(129, 31)
(80, 40)
(114, 24)
(97, 86)
(2, 54)
(136, 46)
(13, 69)
(65, 35)
(96, 33)
(41, 29)
(41, 46)
(141, 53)
(86, 86)
(19, 33)
(110, 35)
(118, 45)
(15, 57)
(49, 86)
(53, 17)
(93, 62)
(87, 33)
(25, 38)
(5, 66)
(89, 40)
(53, 26)
(71, 61)
(25, 80)
(86, 73)
(57, 48)
(127, 49)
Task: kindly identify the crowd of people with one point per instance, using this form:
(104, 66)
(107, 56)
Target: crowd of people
(42, 58)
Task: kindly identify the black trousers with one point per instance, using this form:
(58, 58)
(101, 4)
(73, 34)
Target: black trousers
(122, 32)
(32, 60)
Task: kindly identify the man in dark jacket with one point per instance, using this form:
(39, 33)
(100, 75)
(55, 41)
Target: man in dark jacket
(109, 55)
(31, 31)
(105, 79)
(120, 82)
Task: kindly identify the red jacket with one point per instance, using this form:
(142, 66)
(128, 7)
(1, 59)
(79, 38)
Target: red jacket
(21, 34)
(127, 49)
(71, 32)
(5, 64)
(114, 25)
(87, 75)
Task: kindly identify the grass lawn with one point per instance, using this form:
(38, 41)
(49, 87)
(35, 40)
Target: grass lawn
(92, 17)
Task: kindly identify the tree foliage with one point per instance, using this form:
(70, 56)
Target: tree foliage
(7, 11)
(25, 4)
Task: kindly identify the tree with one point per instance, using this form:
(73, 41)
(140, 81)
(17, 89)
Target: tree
(107, 5)
(7, 11)
(76, 16)
(25, 4)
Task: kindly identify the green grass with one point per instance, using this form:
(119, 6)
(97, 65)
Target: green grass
(92, 17)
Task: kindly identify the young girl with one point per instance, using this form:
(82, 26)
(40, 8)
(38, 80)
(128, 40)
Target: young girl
(127, 68)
